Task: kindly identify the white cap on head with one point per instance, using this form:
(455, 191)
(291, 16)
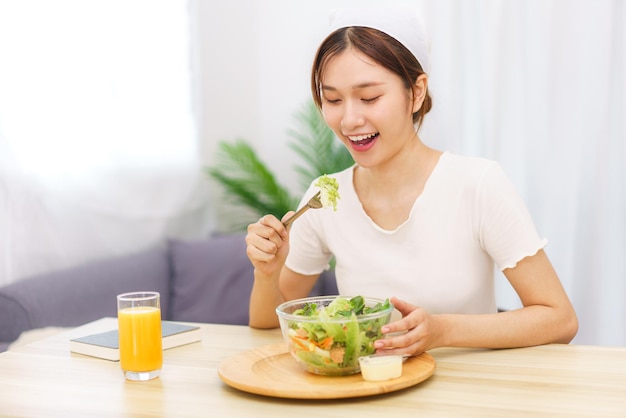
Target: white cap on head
(401, 23)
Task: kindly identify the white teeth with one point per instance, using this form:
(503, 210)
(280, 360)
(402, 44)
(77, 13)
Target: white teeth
(360, 137)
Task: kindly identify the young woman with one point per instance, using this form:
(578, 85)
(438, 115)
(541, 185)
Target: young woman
(423, 227)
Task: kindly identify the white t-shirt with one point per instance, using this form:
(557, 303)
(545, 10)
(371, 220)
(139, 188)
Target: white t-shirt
(468, 219)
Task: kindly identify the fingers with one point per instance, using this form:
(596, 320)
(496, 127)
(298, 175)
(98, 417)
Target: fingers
(265, 239)
(407, 336)
(405, 344)
(268, 226)
(403, 307)
(407, 322)
(287, 216)
(412, 342)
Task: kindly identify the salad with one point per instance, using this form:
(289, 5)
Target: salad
(329, 191)
(336, 335)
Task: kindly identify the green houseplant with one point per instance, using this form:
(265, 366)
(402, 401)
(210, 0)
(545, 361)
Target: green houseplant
(249, 183)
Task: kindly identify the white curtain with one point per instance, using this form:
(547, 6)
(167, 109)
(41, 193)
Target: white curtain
(541, 87)
(98, 147)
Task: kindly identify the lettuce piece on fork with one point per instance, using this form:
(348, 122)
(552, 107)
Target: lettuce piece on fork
(329, 191)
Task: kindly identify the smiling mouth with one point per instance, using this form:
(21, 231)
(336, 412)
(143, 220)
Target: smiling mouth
(362, 140)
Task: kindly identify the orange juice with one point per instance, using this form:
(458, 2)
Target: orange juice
(140, 338)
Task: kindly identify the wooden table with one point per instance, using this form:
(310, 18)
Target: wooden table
(44, 379)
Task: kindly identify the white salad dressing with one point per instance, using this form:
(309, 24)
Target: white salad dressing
(376, 368)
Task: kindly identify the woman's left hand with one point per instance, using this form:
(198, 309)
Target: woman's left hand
(412, 335)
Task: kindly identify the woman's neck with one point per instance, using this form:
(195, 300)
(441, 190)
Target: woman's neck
(408, 169)
(388, 192)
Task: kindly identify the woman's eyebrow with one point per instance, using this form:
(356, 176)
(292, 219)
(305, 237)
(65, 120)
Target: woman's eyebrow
(356, 87)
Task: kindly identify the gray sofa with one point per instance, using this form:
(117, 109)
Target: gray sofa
(199, 281)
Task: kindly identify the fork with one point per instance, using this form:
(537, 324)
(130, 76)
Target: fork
(313, 203)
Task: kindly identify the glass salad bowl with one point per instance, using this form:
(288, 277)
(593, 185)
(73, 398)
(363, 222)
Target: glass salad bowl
(326, 335)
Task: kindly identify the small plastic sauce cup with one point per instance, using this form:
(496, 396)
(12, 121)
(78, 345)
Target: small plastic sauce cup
(376, 368)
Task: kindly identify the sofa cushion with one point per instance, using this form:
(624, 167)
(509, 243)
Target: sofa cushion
(212, 280)
(78, 295)
(326, 285)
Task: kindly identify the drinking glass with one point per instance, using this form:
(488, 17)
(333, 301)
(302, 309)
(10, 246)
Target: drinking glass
(139, 325)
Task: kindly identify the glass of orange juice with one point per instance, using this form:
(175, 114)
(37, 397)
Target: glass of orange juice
(139, 326)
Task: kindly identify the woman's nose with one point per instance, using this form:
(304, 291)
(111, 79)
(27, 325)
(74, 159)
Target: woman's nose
(351, 117)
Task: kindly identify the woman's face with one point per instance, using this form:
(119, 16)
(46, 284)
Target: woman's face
(368, 108)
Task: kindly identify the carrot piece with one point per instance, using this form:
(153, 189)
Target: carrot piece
(302, 343)
(326, 343)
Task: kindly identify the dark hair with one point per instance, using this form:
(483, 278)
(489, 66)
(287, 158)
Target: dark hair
(379, 46)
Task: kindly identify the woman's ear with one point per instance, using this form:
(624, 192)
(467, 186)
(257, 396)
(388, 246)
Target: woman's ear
(419, 91)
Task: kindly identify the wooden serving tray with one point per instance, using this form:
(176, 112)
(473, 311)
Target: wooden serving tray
(271, 371)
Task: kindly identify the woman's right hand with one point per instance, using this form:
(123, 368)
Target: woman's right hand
(268, 244)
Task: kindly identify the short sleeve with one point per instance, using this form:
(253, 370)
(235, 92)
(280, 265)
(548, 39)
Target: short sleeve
(307, 252)
(502, 220)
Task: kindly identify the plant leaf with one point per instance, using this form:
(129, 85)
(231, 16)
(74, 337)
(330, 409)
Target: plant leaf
(316, 144)
(249, 182)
